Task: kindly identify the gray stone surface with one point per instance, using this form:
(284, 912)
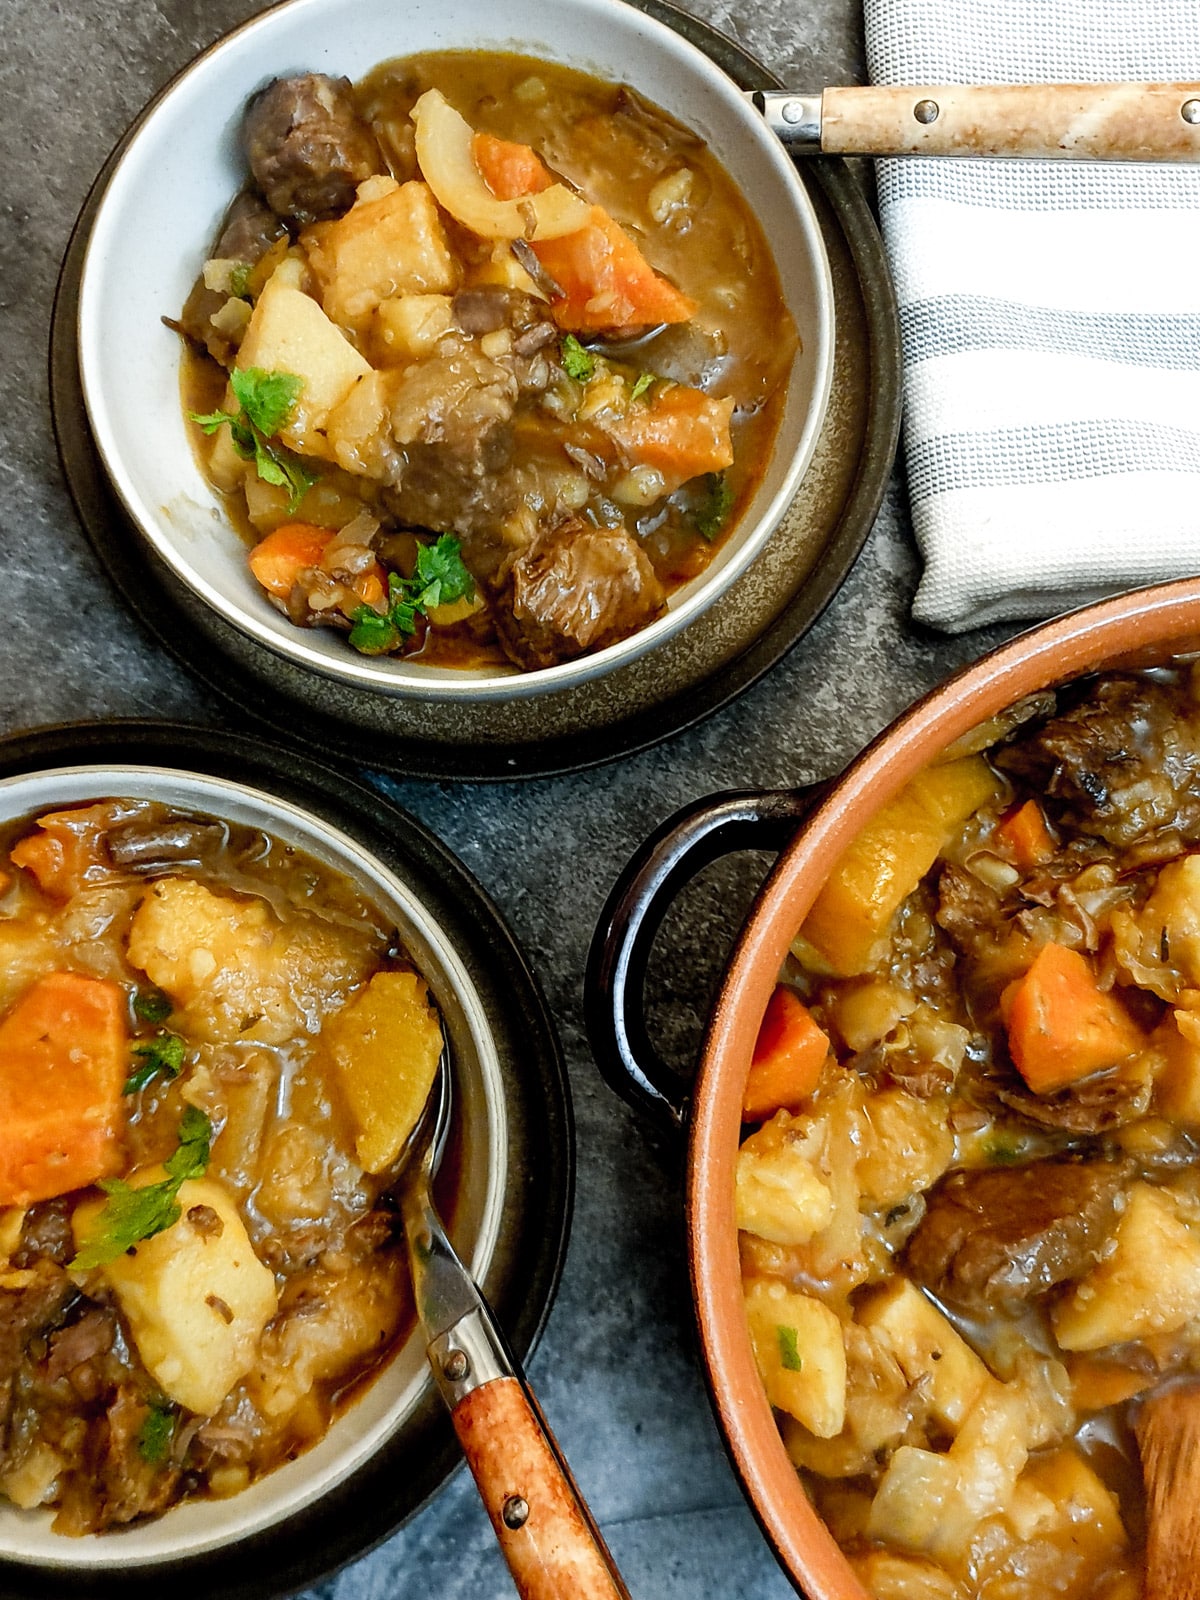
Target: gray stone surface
(615, 1370)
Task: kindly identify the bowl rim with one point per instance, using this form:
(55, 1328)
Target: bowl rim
(312, 1539)
(391, 676)
(1159, 620)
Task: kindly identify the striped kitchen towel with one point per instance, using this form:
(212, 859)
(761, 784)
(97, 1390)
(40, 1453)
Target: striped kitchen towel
(1049, 320)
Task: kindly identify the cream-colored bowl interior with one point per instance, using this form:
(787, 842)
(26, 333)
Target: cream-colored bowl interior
(164, 202)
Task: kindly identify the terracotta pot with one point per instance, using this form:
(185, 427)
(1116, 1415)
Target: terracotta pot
(811, 828)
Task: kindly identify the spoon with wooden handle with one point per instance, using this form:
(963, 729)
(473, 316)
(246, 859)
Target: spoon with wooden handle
(551, 1543)
(1168, 1436)
(1055, 121)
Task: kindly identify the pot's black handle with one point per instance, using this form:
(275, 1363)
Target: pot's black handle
(616, 968)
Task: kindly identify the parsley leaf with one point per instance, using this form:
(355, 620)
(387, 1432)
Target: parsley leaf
(439, 579)
(442, 574)
(239, 280)
(279, 466)
(576, 361)
(789, 1350)
(714, 509)
(372, 634)
(156, 1432)
(195, 1142)
(130, 1215)
(163, 1053)
(644, 380)
(267, 401)
(152, 1005)
(267, 398)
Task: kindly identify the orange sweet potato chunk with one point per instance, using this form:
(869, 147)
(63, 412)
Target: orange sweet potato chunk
(63, 848)
(64, 1055)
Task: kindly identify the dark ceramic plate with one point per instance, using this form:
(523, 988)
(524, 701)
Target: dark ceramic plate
(522, 1278)
(701, 669)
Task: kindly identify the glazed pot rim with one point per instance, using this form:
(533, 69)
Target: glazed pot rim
(1155, 622)
(175, 524)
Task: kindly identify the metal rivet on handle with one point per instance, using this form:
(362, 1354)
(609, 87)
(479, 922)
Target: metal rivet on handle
(1190, 111)
(514, 1513)
(793, 111)
(926, 110)
(456, 1366)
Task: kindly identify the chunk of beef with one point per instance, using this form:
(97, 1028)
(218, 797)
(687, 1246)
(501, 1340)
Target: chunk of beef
(577, 588)
(1095, 1105)
(74, 1346)
(1119, 764)
(307, 146)
(116, 1483)
(492, 309)
(149, 844)
(249, 230)
(991, 1239)
(46, 1232)
(34, 1302)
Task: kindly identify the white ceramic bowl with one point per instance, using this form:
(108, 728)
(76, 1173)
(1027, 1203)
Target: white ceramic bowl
(181, 168)
(186, 1536)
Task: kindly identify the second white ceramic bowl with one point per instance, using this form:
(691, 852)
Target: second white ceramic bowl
(183, 164)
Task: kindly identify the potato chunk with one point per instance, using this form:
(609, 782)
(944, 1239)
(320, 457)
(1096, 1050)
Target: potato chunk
(195, 1295)
(852, 913)
(329, 1321)
(385, 1047)
(390, 242)
(908, 1148)
(1148, 1284)
(408, 327)
(290, 333)
(778, 1195)
(930, 1351)
(235, 971)
(800, 1354)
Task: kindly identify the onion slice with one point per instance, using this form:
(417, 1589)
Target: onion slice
(447, 164)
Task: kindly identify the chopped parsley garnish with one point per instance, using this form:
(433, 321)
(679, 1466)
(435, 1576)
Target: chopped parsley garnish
(576, 361)
(644, 380)
(789, 1351)
(439, 579)
(162, 1054)
(239, 279)
(713, 512)
(156, 1432)
(267, 401)
(130, 1215)
(152, 1005)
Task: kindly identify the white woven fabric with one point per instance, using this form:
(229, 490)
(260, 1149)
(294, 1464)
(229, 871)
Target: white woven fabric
(1049, 318)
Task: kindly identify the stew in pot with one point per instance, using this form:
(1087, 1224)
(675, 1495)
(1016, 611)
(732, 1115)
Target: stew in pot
(969, 1187)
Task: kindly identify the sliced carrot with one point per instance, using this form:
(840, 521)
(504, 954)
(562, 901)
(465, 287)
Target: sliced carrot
(64, 847)
(681, 432)
(1027, 835)
(509, 170)
(1062, 1026)
(788, 1057)
(606, 281)
(63, 1060)
(279, 559)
